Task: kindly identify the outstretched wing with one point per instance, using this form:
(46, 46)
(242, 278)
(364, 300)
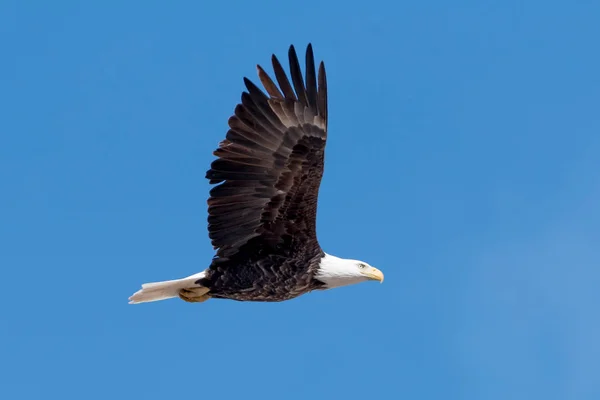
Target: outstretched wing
(270, 165)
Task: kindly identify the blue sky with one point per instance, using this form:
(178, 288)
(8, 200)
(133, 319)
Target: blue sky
(462, 161)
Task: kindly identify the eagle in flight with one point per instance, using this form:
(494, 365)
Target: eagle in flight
(262, 211)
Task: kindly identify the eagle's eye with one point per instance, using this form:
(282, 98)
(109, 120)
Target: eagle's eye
(362, 266)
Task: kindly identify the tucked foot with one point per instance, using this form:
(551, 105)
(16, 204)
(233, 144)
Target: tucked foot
(194, 295)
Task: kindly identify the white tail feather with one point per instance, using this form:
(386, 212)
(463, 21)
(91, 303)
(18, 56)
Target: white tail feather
(156, 291)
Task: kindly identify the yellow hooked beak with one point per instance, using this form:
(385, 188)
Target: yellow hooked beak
(374, 274)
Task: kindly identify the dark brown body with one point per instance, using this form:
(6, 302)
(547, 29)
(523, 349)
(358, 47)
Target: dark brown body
(267, 274)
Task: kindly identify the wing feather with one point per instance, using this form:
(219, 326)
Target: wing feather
(282, 79)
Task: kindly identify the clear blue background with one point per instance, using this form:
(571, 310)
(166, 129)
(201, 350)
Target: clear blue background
(463, 161)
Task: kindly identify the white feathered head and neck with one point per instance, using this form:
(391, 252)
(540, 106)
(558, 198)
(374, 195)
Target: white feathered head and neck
(336, 272)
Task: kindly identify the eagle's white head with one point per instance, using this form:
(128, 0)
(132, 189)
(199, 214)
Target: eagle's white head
(336, 272)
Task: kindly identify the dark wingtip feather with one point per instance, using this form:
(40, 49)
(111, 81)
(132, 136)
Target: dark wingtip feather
(268, 83)
(296, 74)
(322, 92)
(311, 79)
(292, 50)
(254, 90)
(282, 79)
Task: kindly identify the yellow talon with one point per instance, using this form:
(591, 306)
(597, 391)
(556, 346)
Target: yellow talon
(194, 295)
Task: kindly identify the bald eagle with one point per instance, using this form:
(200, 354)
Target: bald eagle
(262, 213)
